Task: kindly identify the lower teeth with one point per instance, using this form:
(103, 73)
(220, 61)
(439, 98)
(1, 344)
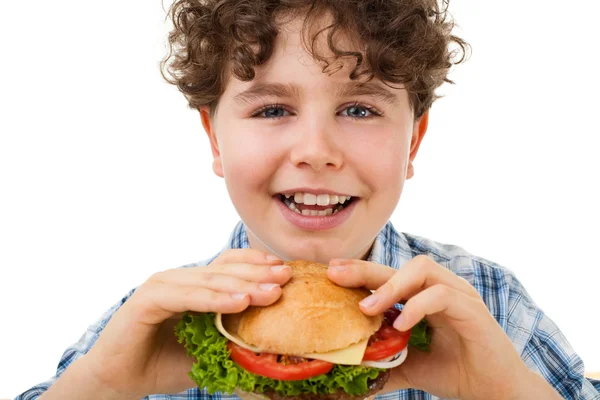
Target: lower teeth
(330, 211)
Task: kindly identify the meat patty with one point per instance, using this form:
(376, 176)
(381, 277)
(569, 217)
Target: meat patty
(375, 385)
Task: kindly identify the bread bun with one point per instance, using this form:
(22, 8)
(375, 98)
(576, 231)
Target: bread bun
(313, 315)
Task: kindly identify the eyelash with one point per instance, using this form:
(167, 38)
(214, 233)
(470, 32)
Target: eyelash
(374, 112)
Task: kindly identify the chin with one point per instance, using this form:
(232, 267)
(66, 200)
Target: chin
(318, 250)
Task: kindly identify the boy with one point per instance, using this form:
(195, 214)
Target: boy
(318, 180)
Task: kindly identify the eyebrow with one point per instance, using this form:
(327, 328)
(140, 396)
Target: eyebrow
(261, 90)
(370, 89)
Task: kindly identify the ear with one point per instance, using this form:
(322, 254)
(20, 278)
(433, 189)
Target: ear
(419, 130)
(214, 144)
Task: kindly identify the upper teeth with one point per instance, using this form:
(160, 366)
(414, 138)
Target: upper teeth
(322, 199)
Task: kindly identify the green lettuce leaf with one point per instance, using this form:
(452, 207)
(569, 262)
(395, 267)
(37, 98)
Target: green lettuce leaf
(217, 373)
(420, 336)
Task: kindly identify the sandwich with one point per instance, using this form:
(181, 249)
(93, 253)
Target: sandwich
(312, 343)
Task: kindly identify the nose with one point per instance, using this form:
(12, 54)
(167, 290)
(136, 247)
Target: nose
(317, 145)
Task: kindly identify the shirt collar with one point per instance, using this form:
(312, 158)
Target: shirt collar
(390, 247)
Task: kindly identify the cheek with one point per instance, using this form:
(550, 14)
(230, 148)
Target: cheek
(381, 159)
(249, 159)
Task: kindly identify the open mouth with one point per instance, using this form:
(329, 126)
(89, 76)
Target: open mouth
(309, 204)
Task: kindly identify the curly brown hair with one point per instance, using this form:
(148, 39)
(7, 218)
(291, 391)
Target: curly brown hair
(408, 42)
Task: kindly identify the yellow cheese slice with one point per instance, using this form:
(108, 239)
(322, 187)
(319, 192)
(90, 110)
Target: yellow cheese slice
(351, 355)
(232, 336)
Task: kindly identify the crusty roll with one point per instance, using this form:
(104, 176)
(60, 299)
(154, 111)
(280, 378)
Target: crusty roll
(313, 315)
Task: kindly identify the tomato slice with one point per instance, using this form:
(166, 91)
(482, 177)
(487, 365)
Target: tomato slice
(266, 365)
(386, 342)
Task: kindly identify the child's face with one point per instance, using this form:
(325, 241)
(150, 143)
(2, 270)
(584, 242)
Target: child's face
(309, 142)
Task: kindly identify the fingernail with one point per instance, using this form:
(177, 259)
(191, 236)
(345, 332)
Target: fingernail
(398, 322)
(279, 268)
(338, 267)
(369, 302)
(238, 296)
(271, 257)
(267, 286)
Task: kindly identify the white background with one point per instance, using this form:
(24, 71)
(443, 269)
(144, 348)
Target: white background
(105, 173)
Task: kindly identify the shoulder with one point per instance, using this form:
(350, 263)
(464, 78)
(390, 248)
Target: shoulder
(475, 269)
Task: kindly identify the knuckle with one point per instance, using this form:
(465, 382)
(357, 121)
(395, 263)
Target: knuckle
(157, 277)
(208, 276)
(464, 280)
(440, 291)
(470, 288)
(224, 257)
(361, 275)
(190, 292)
(389, 287)
(143, 292)
(422, 259)
(423, 263)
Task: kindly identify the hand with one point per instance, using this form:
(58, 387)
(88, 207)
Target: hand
(137, 353)
(471, 357)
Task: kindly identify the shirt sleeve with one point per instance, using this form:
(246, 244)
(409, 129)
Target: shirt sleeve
(545, 350)
(83, 345)
(549, 354)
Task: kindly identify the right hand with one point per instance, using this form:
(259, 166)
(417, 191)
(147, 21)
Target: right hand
(137, 353)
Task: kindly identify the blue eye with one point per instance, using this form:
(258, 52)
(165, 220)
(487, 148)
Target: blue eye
(358, 111)
(271, 112)
(354, 111)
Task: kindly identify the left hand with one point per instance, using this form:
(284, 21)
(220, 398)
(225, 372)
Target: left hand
(471, 357)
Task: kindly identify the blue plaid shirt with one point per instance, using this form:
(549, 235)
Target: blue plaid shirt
(538, 340)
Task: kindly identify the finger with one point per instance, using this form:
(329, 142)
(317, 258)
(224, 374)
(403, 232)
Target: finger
(359, 273)
(261, 294)
(196, 275)
(154, 303)
(465, 314)
(277, 273)
(247, 256)
(416, 275)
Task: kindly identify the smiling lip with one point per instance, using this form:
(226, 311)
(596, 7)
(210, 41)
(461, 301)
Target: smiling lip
(317, 222)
